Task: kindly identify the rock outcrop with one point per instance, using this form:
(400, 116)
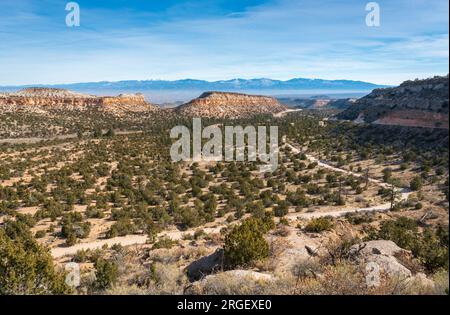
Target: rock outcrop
(230, 105)
(383, 253)
(43, 99)
(391, 260)
(419, 103)
(231, 282)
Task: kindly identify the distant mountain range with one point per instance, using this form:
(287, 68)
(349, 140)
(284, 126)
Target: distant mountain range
(223, 85)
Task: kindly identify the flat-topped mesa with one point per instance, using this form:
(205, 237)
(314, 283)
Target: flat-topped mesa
(49, 93)
(61, 99)
(230, 105)
(127, 102)
(419, 103)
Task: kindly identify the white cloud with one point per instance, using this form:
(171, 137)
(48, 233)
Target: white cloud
(282, 39)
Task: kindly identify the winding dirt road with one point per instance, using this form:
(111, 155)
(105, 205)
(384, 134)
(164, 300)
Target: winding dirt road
(283, 113)
(403, 192)
(127, 240)
(177, 235)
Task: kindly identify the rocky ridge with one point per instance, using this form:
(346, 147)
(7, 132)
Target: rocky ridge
(230, 105)
(43, 99)
(321, 102)
(419, 103)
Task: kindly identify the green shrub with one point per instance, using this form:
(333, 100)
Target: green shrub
(122, 227)
(106, 273)
(357, 218)
(94, 212)
(433, 249)
(318, 225)
(430, 247)
(387, 174)
(73, 227)
(190, 217)
(26, 267)
(282, 209)
(40, 234)
(284, 221)
(199, 233)
(402, 232)
(165, 242)
(416, 183)
(246, 243)
(81, 256)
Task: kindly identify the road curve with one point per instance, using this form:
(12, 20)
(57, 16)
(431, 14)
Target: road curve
(404, 193)
(177, 235)
(283, 113)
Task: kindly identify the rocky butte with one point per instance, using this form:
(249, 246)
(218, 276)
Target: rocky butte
(418, 103)
(230, 105)
(43, 99)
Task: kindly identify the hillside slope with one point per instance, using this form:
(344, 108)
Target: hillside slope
(419, 103)
(318, 102)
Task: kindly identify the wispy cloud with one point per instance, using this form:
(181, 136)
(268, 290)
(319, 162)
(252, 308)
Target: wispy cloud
(222, 39)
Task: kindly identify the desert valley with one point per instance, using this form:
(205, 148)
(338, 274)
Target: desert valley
(87, 181)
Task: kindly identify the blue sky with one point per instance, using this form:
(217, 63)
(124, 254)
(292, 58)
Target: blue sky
(222, 39)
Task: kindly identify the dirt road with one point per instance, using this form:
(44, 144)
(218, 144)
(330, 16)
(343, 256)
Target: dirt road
(125, 241)
(283, 113)
(403, 192)
(177, 235)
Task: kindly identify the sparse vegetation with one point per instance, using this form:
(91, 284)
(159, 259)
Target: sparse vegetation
(246, 244)
(430, 247)
(25, 266)
(319, 225)
(105, 183)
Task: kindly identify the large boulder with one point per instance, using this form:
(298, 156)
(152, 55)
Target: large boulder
(384, 254)
(232, 282)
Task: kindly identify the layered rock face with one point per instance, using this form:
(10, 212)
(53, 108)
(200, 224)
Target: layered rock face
(42, 99)
(230, 105)
(419, 103)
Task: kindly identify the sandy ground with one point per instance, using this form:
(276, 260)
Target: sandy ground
(127, 240)
(217, 225)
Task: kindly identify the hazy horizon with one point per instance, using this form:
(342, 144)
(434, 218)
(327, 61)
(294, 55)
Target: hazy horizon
(182, 95)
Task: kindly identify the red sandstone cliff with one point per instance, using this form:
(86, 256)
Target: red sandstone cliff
(230, 105)
(42, 99)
